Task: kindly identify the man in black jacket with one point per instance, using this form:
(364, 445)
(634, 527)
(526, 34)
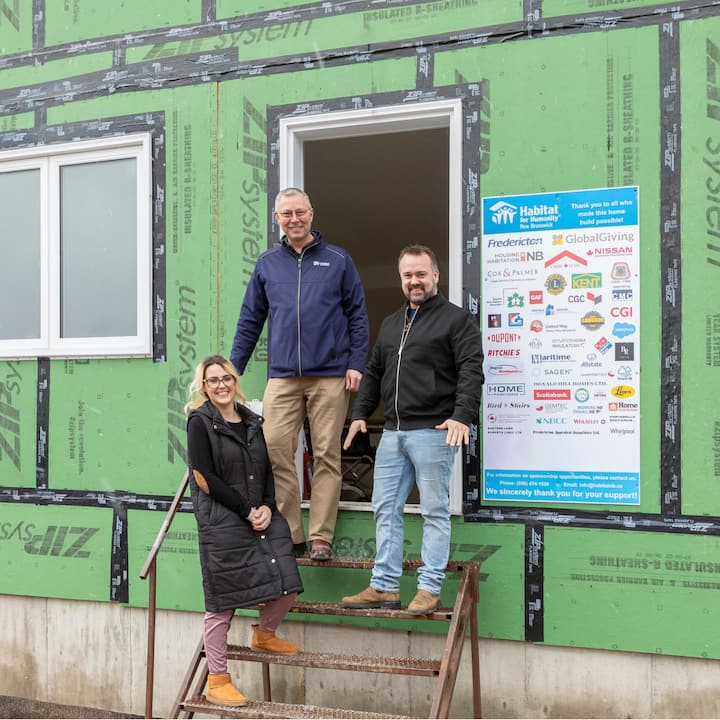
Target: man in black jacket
(426, 367)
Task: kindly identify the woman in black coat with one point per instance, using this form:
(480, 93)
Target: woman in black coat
(246, 552)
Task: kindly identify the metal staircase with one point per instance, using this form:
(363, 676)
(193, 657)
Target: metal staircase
(459, 618)
(444, 670)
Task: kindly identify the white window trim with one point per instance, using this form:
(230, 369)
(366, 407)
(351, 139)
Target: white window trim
(296, 130)
(48, 159)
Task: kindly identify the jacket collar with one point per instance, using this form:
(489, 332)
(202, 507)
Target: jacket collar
(252, 420)
(317, 240)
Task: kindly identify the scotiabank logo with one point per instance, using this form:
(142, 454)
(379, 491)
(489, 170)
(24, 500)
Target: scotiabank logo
(551, 394)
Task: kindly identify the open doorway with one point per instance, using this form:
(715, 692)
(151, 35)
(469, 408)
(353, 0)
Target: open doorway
(373, 195)
(378, 181)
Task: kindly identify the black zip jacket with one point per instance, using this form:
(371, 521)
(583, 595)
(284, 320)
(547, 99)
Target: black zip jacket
(427, 374)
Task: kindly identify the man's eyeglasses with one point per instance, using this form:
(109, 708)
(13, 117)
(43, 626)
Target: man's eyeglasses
(299, 214)
(213, 382)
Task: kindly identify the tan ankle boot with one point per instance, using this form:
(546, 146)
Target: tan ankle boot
(270, 642)
(221, 691)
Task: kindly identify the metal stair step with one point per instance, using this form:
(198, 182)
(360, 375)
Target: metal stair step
(311, 607)
(261, 709)
(401, 665)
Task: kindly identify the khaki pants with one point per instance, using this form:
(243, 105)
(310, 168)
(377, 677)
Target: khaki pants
(286, 403)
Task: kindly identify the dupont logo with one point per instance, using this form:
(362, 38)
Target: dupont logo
(551, 394)
(506, 389)
(503, 213)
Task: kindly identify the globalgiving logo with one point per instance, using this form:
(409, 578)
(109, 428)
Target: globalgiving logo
(622, 391)
(503, 213)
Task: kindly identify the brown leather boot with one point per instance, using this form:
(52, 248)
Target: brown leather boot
(270, 642)
(221, 691)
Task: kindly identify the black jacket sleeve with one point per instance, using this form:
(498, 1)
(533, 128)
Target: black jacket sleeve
(200, 456)
(466, 342)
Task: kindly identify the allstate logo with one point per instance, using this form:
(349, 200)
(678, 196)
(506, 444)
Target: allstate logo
(503, 213)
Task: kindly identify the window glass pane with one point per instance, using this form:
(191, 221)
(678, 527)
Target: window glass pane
(20, 255)
(98, 248)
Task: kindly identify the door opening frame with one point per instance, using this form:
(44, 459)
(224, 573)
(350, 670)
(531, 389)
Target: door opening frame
(295, 130)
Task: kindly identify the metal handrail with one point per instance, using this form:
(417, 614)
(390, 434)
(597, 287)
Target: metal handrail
(150, 568)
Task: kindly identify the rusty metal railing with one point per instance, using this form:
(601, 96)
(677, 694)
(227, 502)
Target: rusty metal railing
(150, 569)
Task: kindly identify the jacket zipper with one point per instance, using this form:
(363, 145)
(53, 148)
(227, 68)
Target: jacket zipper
(403, 339)
(297, 311)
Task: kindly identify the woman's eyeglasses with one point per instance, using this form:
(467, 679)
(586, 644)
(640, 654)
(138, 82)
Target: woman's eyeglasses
(213, 382)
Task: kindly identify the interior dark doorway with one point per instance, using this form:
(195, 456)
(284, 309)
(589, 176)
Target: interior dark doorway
(373, 195)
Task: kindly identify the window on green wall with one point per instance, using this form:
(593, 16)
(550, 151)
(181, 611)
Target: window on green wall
(75, 243)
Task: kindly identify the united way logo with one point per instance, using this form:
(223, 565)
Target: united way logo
(503, 213)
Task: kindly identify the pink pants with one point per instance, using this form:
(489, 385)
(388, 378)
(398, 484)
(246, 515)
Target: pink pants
(217, 624)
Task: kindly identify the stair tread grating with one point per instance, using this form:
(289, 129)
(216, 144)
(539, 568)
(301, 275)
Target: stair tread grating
(406, 665)
(335, 608)
(263, 709)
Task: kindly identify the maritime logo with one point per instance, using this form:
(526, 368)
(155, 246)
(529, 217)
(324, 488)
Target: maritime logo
(503, 213)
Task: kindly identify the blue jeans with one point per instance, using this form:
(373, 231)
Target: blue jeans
(405, 457)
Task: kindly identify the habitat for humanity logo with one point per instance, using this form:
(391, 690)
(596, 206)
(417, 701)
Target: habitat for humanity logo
(503, 213)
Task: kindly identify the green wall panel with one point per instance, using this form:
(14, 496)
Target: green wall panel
(15, 27)
(18, 404)
(58, 552)
(309, 37)
(580, 108)
(108, 426)
(570, 7)
(76, 20)
(700, 43)
(65, 69)
(476, 12)
(620, 590)
(602, 108)
(500, 549)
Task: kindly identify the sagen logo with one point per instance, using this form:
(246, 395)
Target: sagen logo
(503, 213)
(622, 391)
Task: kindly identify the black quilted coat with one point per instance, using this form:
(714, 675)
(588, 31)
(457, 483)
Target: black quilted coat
(241, 567)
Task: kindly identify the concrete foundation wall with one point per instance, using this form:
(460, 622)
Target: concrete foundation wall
(94, 655)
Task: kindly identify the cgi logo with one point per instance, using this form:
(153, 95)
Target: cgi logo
(621, 312)
(503, 213)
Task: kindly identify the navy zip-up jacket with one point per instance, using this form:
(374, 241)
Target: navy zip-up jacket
(315, 303)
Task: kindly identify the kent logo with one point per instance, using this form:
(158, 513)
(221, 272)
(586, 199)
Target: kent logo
(61, 541)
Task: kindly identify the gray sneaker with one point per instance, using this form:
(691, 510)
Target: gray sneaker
(372, 598)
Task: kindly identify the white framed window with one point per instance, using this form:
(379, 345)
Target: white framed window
(76, 243)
